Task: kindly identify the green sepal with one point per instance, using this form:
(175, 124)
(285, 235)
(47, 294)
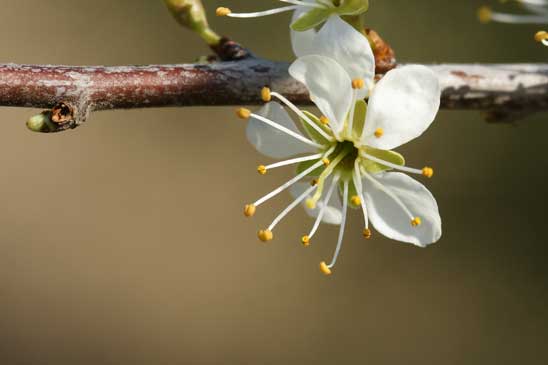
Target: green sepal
(388, 156)
(353, 7)
(359, 119)
(312, 133)
(311, 19)
(307, 164)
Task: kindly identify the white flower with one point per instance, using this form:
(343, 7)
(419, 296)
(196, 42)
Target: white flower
(308, 13)
(349, 146)
(538, 14)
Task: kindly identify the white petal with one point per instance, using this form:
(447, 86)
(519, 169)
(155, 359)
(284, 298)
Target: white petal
(302, 42)
(272, 142)
(333, 212)
(391, 220)
(351, 49)
(404, 104)
(329, 86)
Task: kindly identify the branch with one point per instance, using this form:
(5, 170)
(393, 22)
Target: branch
(502, 90)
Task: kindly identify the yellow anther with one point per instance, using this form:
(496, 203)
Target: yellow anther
(356, 200)
(416, 222)
(265, 235)
(249, 210)
(358, 84)
(324, 268)
(305, 241)
(222, 11)
(541, 36)
(428, 172)
(310, 203)
(326, 161)
(367, 233)
(265, 94)
(261, 169)
(324, 120)
(243, 113)
(314, 182)
(485, 14)
(379, 132)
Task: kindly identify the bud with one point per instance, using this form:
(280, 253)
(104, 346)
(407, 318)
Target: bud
(191, 14)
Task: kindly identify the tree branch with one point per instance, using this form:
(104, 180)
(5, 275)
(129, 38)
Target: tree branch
(504, 91)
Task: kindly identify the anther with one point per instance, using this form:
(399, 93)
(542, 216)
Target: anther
(485, 14)
(379, 132)
(324, 268)
(358, 84)
(265, 94)
(261, 169)
(326, 161)
(356, 200)
(541, 36)
(243, 113)
(265, 235)
(367, 233)
(314, 182)
(324, 120)
(222, 11)
(249, 210)
(305, 241)
(428, 172)
(310, 203)
(416, 222)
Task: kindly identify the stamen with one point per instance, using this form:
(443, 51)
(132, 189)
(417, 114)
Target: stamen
(325, 269)
(265, 235)
(379, 132)
(367, 233)
(311, 203)
(542, 37)
(291, 162)
(257, 13)
(416, 222)
(222, 11)
(341, 229)
(288, 184)
(390, 194)
(356, 200)
(261, 169)
(326, 161)
(356, 178)
(324, 120)
(303, 116)
(305, 240)
(426, 171)
(325, 203)
(243, 112)
(290, 207)
(265, 94)
(303, 3)
(249, 210)
(352, 111)
(358, 84)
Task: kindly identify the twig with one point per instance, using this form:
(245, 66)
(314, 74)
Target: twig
(507, 89)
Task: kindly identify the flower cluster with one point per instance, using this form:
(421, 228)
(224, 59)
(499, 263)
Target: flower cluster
(344, 157)
(537, 13)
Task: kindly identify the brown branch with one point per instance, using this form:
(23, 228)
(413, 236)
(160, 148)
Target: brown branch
(502, 90)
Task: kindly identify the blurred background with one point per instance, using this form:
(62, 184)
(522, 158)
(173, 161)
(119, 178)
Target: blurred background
(123, 241)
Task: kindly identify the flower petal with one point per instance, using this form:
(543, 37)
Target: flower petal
(390, 219)
(302, 42)
(351, 49)
(403, 104)
(272, 142)
(328, 84)
(333, 212)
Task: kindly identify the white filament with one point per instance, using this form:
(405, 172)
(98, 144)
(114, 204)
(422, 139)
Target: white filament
(290, 207)
(391, 165)
(325, 203)
(293, 161)
(341, 229)
(286, 130)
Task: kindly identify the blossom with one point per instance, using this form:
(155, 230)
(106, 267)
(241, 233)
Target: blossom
(344, 158)
(538, 14)
(308, 13)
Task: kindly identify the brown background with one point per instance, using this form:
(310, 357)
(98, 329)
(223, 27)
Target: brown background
(123, 242)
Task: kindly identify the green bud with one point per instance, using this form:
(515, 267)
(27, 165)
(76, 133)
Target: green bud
(316, 16)
(191, 15)
(41, 123)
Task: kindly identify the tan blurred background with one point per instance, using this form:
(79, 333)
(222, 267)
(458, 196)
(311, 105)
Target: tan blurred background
(123, 242)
